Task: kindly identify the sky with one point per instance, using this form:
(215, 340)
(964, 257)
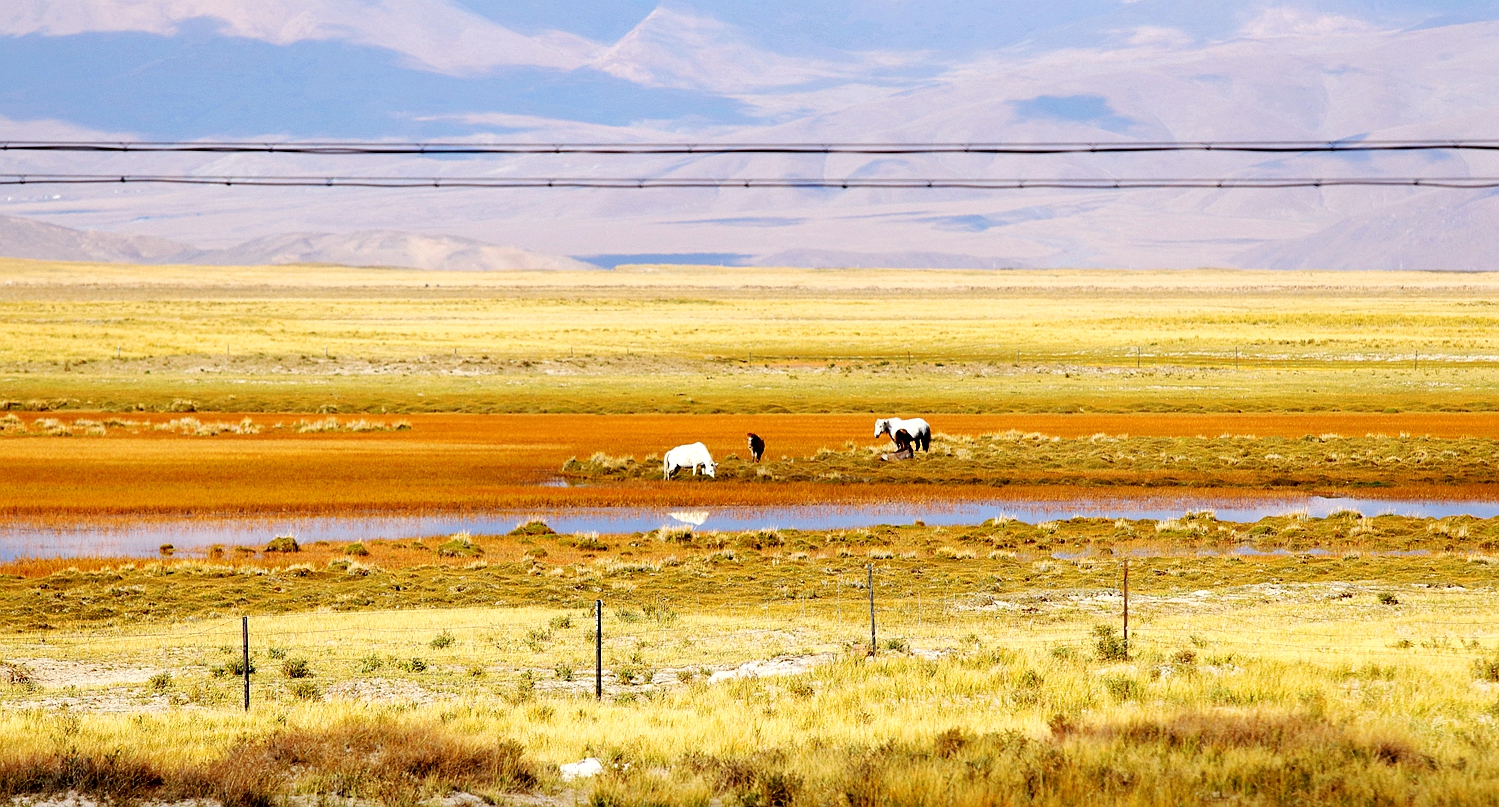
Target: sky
(186, 69)
(777, 69)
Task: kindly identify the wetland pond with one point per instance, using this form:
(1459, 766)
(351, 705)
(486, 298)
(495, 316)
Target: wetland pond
(141, 537)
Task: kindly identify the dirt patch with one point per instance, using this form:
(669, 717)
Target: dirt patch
(56, 673)
(380, 690)
(782, 665)
(76, 799)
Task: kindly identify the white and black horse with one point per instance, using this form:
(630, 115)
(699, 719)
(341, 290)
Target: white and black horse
(921, 433)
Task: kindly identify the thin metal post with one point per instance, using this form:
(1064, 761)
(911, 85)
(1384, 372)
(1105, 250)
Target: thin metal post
(871, 610)
(244, 629)
(1236, 357)
(1126, 607)
(598, 650)
(1137, 357)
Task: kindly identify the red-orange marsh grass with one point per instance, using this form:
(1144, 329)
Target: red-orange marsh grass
(498, 461)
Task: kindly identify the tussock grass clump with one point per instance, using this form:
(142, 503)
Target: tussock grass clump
(1016, 458)
(460, 545)
(602, 465)
(531, 527)
(283, 543)
(196, 428)
(584, 541)
(51, 427)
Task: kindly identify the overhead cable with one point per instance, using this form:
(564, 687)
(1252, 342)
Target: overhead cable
(849, 183)
(707, 148)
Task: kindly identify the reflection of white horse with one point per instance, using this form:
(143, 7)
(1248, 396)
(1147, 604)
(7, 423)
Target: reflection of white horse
(696, 518)
(688, 456)
(921, 433)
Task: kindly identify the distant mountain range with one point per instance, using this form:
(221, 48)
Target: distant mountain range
(23, 238)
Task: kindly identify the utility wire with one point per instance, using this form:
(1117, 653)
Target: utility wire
(1040, 147)
(1226, 183)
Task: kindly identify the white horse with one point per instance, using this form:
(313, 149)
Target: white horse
(921, 433)
(688, 456)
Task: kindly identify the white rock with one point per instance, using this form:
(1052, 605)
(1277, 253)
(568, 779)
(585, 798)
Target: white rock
(582, 769)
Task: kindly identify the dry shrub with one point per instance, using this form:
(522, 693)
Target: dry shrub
(949, 742)
(760, 780)
(1281, 733)
(16, 674)
(382, 760)
(113, 776)
(1240, 758)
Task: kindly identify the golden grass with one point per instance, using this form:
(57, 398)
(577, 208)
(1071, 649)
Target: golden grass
(695, 340)
(810, 569)
(1261, 686)
(1326, 461)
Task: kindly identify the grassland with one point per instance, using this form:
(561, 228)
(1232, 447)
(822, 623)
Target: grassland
(1343, 660)
(658, 339)
(1325, 462)
(1360, 676)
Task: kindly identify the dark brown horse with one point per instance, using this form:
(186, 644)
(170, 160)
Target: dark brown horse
(905, 447)
(756, 446)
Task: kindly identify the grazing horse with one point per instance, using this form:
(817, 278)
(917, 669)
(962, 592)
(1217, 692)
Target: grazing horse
(688, 456)
(920, 432)
(757, 446)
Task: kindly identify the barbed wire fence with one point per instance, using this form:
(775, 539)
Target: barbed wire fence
(627, 646)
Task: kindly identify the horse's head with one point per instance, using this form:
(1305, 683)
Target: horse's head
(881, 427)
(708, 468)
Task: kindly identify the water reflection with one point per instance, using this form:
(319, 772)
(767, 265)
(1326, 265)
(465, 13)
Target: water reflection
(143, 537)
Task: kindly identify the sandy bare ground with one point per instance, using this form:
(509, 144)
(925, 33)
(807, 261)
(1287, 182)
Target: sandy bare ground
(77, 687)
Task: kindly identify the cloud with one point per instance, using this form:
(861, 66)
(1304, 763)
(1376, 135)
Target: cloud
(1156, 36)
(433, 35)
(687, 51)
(1285, 21)
(671, 49)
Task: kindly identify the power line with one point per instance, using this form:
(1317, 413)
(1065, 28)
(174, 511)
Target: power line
(850, 183)
(1019, 148)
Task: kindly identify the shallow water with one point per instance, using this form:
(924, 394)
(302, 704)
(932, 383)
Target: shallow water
(142, 537)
